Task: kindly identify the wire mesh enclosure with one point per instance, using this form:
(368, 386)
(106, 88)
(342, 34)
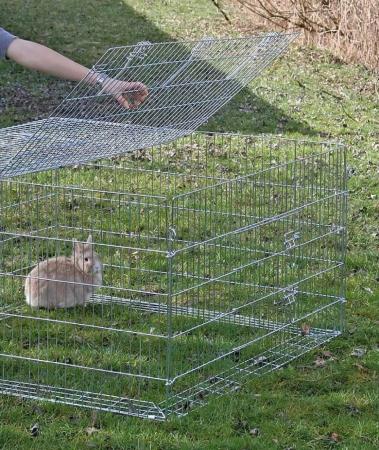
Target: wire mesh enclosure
(165, 267)
(222, 259)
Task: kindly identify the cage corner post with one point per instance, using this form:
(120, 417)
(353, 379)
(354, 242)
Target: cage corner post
(344, 218)
(171, 237)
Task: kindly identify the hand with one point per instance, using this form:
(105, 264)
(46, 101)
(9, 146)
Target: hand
(129, 94)
(39, 57)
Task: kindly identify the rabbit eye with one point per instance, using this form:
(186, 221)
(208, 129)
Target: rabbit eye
(85, 259)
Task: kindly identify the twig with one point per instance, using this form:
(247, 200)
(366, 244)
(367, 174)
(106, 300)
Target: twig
(347, 114)
(337, 97)
(332, 94)
(302, 85)
(222, 11)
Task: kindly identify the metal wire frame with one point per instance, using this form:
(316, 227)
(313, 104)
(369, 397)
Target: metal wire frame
(187, 82)
(223, 259)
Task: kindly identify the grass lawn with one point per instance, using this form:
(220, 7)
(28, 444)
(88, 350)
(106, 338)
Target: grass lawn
(307, 94)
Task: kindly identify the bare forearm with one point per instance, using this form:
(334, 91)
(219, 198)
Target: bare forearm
(38, 57)
(129, 94)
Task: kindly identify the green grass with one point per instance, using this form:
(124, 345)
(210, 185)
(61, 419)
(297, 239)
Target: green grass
(307, 94)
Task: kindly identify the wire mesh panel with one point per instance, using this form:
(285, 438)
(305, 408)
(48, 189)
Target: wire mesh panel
(222, 259)
(187, 82)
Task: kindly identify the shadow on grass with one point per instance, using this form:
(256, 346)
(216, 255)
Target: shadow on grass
(250, 114)
(83, 31)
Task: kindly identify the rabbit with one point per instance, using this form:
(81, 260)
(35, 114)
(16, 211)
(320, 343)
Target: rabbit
(78, 276)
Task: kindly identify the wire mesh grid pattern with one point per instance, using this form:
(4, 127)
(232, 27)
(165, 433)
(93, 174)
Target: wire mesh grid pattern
(222, 259)
(187, 81)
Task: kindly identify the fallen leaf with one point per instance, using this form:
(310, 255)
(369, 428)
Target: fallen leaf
(241, 425)
(353, 410)
(34, 430)
(361, 368)
(246, 108)
(73, 418)
(327, 354)
(236, 356)
(305, 329)
(79, 339)
(320, 362)
(260, 361)
(334, 437)
(91, 430)
(37, 409)
(358, 352)
(94, 420)
(254, 432)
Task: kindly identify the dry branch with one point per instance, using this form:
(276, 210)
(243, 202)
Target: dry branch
(222, 11)
(349, 28)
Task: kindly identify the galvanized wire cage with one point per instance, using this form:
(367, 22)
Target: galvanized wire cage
(221, 255)
(223, 259)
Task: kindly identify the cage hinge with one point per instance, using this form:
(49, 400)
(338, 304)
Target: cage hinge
(290, 239)
(288, 298)
(337, 229)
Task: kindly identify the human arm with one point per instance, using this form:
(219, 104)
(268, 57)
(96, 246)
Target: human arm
(38, 57)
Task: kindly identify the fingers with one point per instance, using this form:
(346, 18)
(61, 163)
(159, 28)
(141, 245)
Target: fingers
(143, 95)
(136, 91)
(125, 103)
(122, 101)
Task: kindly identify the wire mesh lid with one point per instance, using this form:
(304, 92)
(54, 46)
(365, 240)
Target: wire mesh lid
(187, 83)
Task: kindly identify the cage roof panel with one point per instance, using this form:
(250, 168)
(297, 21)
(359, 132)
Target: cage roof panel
(188, 82)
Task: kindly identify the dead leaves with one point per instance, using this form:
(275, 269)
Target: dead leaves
(254, 432)
(319, 362)
(334, 437)
(242, 426)
(91, 430)
(322, 359)
(141, 155)
(35, 430)
(362, 369)
(305, 329)
(358, 352)
(94, 427)
(353, 410)
(330, 439)
(368, 290)
(217, 150)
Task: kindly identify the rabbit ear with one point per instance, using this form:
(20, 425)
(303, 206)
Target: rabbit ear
(77, 247)
(89, 240)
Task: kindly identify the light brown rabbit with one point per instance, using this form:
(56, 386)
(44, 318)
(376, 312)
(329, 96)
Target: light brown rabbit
(77, 278)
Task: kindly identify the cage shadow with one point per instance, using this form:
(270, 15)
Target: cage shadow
(255, 116)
